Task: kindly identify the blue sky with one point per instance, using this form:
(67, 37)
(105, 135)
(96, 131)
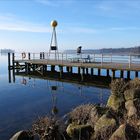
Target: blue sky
(93, 24)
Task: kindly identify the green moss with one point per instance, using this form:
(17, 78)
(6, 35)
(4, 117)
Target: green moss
(104, 122)
(115, 102)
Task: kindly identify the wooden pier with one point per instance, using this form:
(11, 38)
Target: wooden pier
(81, 64)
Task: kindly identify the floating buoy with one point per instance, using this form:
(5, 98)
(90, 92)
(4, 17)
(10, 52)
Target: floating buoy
(23, 55)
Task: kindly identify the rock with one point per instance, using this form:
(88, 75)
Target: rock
(125, 132)
(95, 113)
(104, 127)
(129, 104)
(132, 94)
(132, 112)
(22, 135)
(134, 105)
(119, 133)
(76, 131)
(115, 102)
(131, 109)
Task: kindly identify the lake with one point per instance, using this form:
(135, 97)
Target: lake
(21, 103)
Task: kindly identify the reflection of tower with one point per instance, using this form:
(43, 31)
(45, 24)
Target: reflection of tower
(54, 100)
(53, 45)
(80, 89)
(101, 97)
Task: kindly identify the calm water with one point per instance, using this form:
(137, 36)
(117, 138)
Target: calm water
(21, 104)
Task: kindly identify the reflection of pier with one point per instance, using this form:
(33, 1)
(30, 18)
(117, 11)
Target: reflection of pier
(56, 86)
(42, 64)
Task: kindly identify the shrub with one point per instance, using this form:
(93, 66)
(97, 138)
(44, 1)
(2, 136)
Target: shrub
(48, 128)
(118, 86)
(81, 114)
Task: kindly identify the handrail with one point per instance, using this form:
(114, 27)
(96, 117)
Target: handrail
(100, 58)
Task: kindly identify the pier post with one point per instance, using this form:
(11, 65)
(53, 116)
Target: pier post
(113, 74)
(9, 61)
(78, 70)
(29, 56)
(128, 74)
(13, 59)
(9, 74)
(61, 71)
(26, 68)
(40, 55)
(13, 63)
(52, 68)
(136, 74)
(99, 72)
(14, 79)
(82, 74)
(67, 68)
(17, 67)
(92, 72)
(86, 70)
(107, 73)
(33, 66)
(121, 74)
(70, 69)
(45, 68)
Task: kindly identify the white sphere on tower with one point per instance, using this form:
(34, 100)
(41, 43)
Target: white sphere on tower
(54, 23)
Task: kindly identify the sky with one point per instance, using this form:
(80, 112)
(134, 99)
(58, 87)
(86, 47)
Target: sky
(92, 24)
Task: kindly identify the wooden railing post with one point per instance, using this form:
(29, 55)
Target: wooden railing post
(111, 57)
(129, 61)
(33, 55)
(94, 57)
(66, 56)
(62, 58)
(101, 59)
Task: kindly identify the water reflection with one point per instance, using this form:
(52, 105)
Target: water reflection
(55, 86)
(28, 96)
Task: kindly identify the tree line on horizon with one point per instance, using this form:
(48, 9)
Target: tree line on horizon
(134, 50)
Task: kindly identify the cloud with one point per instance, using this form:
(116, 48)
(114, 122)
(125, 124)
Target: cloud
(120, 9)
(55, 3)
(23, 28)
(48, 2)
(124, 28)
(81, 30)
(11, 23)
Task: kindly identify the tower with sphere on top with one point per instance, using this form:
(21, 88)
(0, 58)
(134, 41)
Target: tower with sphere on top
(53, 44)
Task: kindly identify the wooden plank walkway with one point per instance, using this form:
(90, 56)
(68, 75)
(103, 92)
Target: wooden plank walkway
(99, 65)
(85, 66)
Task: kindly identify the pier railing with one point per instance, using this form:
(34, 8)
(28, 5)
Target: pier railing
(82, 58)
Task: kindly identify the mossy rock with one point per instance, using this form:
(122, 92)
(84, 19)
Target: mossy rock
(115, 102)
(119, 133)
(125, 132)
(75, 131)
(132, 94)
(95, 113)
(131, 108)
(104, 122)
(22, 135)
(104, 127)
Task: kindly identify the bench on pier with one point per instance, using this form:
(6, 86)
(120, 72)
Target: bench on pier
(83, 60)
